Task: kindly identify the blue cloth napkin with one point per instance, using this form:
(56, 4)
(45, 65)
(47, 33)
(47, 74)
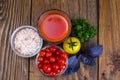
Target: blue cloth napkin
(87, 57)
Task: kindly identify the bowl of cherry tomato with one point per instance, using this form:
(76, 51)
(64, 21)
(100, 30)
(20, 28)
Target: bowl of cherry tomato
(52, 60)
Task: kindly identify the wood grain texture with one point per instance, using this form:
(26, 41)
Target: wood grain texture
(109, 37)
(74, 9)
(38, 7)
(13, 13)
(88, 9)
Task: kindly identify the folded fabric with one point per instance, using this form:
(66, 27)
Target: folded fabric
(87, 57)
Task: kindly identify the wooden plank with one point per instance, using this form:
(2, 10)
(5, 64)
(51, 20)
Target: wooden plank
(38, 7)
(71, 7)
(88, 9)
(13, 13)
(74, 9)
(109, 37)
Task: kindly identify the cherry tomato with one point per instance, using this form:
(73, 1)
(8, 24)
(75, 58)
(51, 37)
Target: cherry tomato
(47, 49)
(46, 60)
(57, 57)
(40, 65)
(64, 55)
(40, 59)
(62, 67)
(52, 48)
(46, 68)
(58, 71)
(52, 74)
(55, 66)
(48, 54)
(61, 61)
(42, 52)
(52, 59)
(58, 52)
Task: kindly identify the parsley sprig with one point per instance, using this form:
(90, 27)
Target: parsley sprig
(82, 30)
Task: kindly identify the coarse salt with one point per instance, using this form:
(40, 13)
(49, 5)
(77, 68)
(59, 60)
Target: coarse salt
(27, 41)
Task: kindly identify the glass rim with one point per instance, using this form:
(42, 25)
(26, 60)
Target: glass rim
(61, 13)
(12, 41)
(38, 62)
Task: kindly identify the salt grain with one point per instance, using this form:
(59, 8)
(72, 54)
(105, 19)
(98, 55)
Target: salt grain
(27, 41)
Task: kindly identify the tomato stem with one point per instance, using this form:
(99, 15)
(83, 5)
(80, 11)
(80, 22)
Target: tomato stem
(72, 44)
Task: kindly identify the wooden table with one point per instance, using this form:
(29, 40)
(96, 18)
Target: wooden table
(104, 14)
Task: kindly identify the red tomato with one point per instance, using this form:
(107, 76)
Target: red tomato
(57, 57)
(52, 74)
(47, 49)
(42, 52)
(52, 59)
(48, 54)
(46, 68)
(55, 66)
(61, 61)
(58, 52)
(64, 55)
(40, 59)
(52, 48)
(62, 67)
(40, 65)
(58, 71)
(46, 60)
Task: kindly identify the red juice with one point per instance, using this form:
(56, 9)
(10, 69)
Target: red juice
(54, 26)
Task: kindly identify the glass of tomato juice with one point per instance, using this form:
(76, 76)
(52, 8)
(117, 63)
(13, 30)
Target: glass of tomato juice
(54, 26)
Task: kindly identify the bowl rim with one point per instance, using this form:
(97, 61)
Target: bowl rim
(38, 62)
(13, 36)
(58, 11)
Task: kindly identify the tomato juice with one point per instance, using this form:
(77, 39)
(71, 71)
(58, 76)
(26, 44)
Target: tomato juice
(54, 26)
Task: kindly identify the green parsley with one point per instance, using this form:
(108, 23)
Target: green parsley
(82, 29)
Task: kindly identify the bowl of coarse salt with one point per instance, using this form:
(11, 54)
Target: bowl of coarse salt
(25, 41)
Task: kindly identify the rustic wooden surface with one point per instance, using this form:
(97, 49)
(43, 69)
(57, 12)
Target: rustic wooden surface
(13, 13)
(109, 37)
(104, 14)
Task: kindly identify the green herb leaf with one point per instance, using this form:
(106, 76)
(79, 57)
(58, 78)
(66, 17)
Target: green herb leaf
(82, 29)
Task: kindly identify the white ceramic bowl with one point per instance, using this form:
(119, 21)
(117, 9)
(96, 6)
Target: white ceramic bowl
(13, 45)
